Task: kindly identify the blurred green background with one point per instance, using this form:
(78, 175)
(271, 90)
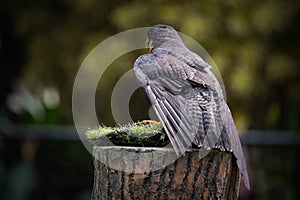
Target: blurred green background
(255, 45)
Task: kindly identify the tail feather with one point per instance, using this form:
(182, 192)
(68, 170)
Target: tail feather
(235, 143)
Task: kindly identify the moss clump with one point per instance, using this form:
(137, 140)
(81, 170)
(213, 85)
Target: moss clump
(140, 134)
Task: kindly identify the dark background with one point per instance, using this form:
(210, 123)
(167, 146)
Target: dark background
(255, 45)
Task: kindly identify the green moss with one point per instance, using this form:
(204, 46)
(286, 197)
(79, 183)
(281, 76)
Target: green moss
(136, 134)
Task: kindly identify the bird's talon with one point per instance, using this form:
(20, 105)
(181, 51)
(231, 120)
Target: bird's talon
(149, 121)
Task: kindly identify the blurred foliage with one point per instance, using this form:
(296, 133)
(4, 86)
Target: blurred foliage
(254, 44)
(274, 171)
(34, 170)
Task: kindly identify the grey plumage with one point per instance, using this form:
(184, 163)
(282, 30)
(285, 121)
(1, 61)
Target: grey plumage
(187, 97)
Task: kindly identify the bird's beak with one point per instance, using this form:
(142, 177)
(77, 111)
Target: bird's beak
(149, 44)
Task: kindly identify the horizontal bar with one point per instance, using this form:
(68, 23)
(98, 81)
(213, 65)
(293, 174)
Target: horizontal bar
(69, 132)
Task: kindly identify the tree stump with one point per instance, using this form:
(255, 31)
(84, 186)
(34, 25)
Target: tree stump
(157, 173)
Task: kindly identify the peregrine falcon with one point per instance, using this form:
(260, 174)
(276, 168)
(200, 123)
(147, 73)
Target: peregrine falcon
(186, 96)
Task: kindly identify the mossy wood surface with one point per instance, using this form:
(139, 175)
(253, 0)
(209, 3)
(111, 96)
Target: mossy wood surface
(213, 177)
(139, 134)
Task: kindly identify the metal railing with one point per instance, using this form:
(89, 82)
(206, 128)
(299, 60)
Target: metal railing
(68, 132)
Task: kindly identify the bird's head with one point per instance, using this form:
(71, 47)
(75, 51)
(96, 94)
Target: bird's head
(163, 36)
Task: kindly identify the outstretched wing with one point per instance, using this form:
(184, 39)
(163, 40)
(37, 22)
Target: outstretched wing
(189, 104)
(184, 104)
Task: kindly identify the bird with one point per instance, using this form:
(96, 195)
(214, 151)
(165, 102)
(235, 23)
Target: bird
(187, 97)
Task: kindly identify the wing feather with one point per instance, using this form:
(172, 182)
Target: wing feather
(188, 101)
(181, 115)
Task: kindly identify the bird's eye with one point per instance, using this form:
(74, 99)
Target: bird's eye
(163, 26)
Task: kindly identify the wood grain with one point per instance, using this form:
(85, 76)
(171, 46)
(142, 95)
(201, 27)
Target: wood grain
(156, 173)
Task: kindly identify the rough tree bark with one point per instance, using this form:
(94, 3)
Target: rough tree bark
(156, 173)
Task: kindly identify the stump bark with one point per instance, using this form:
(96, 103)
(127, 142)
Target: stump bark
(156, 173)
